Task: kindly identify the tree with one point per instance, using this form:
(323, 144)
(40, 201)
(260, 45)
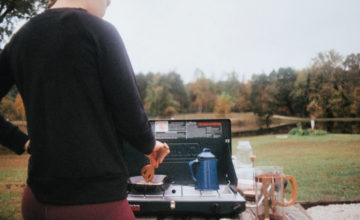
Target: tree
(202, 93)
(352, 62)
(7, 104)
(223, 104)
(328, 60)
(314, 109)
(300, 93)
(177, 89)
(19, 109)
(330, 86)
(12, 11)
(230, 86)
(262, 97)
(238, 91)
(355, 106)
(159, 101)
(352, 68)
(242, 102)
(7, 108)
(284, 80)
(173, 84)
(12, 108)
(143, 81)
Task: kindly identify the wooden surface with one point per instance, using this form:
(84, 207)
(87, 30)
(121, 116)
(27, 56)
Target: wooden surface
(295, 212)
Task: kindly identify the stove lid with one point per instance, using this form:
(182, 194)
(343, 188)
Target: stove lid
(187, 139)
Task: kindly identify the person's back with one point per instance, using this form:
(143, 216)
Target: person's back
(79, 104)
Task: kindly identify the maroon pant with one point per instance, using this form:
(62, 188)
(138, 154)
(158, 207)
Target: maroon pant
(34, 210)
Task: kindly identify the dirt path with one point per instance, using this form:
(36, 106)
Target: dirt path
(335, 212)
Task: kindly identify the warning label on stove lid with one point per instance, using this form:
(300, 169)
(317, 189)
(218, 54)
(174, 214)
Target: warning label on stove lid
(186, 130)
(161, 126)
(209, 123)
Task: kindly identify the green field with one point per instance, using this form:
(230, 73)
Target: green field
(325, 167)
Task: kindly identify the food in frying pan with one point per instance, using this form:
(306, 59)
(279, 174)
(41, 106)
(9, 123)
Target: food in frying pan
(149, 183)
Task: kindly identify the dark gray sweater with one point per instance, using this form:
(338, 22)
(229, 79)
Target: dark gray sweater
(81, 99)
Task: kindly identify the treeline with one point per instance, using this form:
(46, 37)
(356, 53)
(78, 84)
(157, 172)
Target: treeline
(12, 107)
(330, 87)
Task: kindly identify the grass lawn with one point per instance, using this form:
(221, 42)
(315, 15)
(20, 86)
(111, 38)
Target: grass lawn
(325, 167)
(13, 170)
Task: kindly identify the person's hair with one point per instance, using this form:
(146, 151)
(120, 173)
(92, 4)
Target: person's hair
(51, 3)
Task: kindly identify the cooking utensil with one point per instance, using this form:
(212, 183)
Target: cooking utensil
(159, 183)
(148, 171)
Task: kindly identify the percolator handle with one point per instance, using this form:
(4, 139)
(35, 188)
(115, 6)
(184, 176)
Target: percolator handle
(191, 163)
(293, 192)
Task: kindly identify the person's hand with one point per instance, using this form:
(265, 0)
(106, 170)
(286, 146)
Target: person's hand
(159, 153)
(26, 147)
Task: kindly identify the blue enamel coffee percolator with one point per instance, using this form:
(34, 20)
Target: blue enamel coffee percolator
(206, 177)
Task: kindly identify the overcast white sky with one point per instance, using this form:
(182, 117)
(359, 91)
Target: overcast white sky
(221, 36)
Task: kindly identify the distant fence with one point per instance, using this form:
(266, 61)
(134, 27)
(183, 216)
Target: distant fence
(280, 129)
(338, 125)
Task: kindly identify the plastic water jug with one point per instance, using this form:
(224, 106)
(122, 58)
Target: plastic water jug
(243, 165)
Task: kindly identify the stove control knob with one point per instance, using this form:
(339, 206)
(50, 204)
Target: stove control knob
(237, 208)
(172, 205)
(215, 208)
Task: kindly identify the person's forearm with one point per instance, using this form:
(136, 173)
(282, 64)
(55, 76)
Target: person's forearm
(12, 137)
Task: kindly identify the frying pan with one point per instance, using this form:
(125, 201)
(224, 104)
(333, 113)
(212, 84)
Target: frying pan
(159, 183)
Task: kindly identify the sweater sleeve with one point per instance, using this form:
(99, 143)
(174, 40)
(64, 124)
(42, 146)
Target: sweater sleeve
(10, 135)
(121, 92)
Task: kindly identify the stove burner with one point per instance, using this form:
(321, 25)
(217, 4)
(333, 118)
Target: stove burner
(186, 200)
(188, 192)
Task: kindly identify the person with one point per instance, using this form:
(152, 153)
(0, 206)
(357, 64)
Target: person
(81, 100)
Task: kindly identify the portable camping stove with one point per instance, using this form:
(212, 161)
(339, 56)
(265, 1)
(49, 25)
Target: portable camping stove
(186, 139)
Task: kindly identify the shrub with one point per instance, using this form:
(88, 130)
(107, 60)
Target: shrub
(305, 132)
(293, 131)
(319, 132)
